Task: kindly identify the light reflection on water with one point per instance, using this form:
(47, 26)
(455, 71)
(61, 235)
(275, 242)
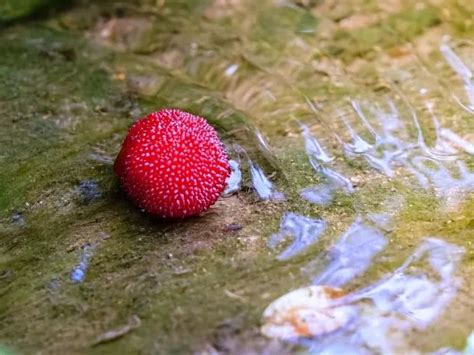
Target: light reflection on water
(389, 123)
(235, 178)
(464, 73)
(304, 231)
(411, 297)
(416, 293)
(332, 177)
(319, 195)
(313, 147)
(351, 255)
(262, 186)
(389, 134)
(78, 273)
(319, 160)
(394, 150)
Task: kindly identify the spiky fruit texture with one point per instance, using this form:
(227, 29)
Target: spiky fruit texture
(172, 164)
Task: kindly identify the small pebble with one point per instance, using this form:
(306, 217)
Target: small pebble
(232, 227)
(89, 191)
(18, 219)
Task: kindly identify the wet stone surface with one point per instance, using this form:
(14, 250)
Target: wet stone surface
(347, 223)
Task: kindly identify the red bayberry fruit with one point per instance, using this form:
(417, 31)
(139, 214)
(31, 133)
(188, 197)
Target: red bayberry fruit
(172, 164)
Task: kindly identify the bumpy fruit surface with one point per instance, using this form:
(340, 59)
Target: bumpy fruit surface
(172, 164)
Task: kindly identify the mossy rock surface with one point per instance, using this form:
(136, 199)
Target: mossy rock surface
(74, 79)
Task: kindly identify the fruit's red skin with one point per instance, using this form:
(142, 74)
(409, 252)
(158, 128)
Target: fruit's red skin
(172, 164)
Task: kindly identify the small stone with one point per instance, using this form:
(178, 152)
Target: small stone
(89, 191)
(232, 227)
(18, 219)
(307, 312)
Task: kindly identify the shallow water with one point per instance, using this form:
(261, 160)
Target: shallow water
(350, 126)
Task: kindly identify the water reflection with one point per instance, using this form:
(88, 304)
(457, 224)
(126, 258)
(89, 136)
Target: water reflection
(381, 220)
(261, 184)
(313, 147)
(464, 73)
(303, 231)
(457, 140)
(263, 187)
(380, 155)
(323, 194)
(415, 292)
(392, 149)
(413, 296)
(319, 195)
(359, 145)
(235, 178)
(332, 177)
(78, 273)
(231, 69)
(390, 136)
(470, 344)
(449, 188)
(351, 255)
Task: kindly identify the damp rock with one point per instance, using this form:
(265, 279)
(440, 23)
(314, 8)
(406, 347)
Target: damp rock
(308, 312)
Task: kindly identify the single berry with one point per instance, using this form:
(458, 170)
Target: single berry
(172, 164)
